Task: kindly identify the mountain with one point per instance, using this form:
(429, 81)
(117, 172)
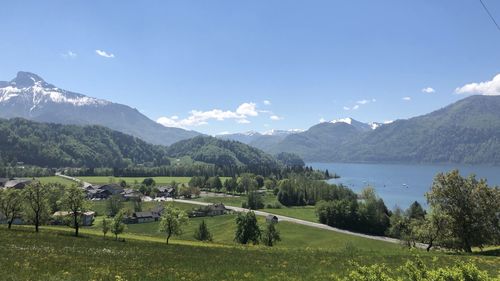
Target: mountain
(29, 96)
(56, 145)
(246, 137)
(317, 142)
(226, 154)
(260, 140)
(467, 131)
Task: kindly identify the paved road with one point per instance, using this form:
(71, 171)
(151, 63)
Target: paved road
(302, 222)
(85, 184)
(280, 218)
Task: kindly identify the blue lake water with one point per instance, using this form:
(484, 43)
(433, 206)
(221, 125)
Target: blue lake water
(400, 184)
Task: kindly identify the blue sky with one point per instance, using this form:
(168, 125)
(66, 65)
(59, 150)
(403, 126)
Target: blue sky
(210, 65)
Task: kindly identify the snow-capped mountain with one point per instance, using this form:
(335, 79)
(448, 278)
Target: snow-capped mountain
(251, 137)
(29, 96)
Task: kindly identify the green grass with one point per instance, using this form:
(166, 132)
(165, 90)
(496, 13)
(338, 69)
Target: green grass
(55, 179)
(54, 255)
(302, 212)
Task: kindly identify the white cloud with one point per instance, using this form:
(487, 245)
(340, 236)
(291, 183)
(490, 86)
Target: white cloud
(355, 107)
(322, 120)
(267, 102)
(488, 88)
(104, 54)
(275, 117)
(248, 109)
(198, 118)
(69, 55)
(407, 98)
(347, 108)
(428, 90)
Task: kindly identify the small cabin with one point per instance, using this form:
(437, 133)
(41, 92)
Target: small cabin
(271, 219)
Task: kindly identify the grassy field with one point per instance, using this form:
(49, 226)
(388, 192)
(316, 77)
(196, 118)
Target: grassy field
(303, 212)
(55, 179)
(54, 255)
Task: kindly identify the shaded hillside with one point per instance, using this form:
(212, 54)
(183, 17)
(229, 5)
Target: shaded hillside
(55, 145)
(224, 153)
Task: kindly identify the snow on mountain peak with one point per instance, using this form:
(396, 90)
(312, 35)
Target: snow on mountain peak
(32, 90)
(347, 120)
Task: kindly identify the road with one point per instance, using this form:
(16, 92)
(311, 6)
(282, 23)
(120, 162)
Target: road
(280, 218)
(302, 222)
(85, 184)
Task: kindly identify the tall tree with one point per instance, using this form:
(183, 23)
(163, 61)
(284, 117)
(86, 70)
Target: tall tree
(271, 235)
(11, 204)
(105, 227)
(117, 225)
(113, 205)
(471, 206)
(247, 229)
(415, 211)
(74, 201)
(202, 233)
(254, 201)
(37, 206)
(172, 221)
(246, 183)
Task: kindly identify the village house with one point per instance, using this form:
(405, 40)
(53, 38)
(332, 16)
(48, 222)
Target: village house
(147, 216)
(59, 218)
(16, 221)
(3, 181)
(210, 211)
(165, 191)
(131, 194)
(17, 183)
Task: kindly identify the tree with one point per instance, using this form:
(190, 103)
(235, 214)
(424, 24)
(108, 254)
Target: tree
(123, 183)
(172, 221)
(37, 206)
(105, 227)
(137, 205)
(433, 228)
(214, 183)
(271, 235)
(198, 182)
(415, 211)
(74, 201)
(247, 229)
(114, 204)
(259, 180)
(246, 183)
(11, 204)
(117, 225)
(471, 207)
(202, 233)
(231, 184)
(254, 201)
(149, 182)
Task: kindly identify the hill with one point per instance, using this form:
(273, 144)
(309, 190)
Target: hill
(28, 96)
(467, 131)
(56, 145)
(225, 154)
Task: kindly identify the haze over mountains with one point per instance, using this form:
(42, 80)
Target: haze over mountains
(29, 96)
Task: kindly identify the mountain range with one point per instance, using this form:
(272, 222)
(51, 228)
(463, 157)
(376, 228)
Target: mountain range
(467, 131)
(28, 96)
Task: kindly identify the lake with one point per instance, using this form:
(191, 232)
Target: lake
(400, 184)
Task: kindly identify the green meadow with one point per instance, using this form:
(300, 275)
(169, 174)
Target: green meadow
(53, 254)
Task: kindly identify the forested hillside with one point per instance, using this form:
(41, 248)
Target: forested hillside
(226, 154)
(54, 145)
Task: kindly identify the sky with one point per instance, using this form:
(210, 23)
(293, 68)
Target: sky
(232, 66)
